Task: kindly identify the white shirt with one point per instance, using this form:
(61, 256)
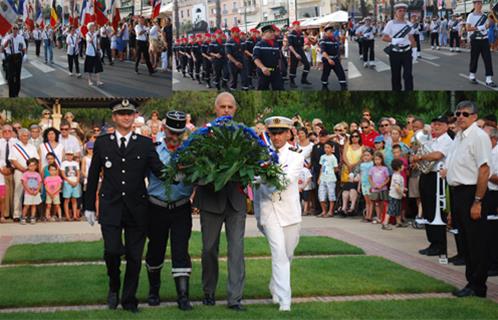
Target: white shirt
(393, 27)
(435, 26)
(119, 136)
(472, 19)
(154, 32)
(72, 44)
(37, 34)
(368, 32)
(493, 168)
(71, 143)
(138, 29)
(441, 144)
(470, 150)
(125, 34)
(306, 152)
(397, 186)
(3, 149)
(47, 34)
(22, 152)
(13, 45)
(70, 169)
(58, 151)
(104, 32)
(91, 38)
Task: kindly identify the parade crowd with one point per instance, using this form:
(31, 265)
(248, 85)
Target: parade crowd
(137, 39)
(268, 57)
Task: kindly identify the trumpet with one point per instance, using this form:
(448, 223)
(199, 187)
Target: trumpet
(440, 200)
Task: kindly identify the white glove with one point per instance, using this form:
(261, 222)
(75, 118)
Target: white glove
(482, 28)
(90, 217)
(25, 58)
(397, 41)
(414, 54)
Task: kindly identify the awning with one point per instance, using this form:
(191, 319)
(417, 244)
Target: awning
(338, 16)
(93, 102)
(469, 6)
(310, 23)
(277, 22)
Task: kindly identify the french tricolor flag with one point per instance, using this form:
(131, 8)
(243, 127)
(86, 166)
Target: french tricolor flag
(156, 8)
(8, 16)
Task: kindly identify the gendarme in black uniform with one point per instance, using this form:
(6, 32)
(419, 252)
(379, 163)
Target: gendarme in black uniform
(218, 47)
(123, 204)
(190, 61)
(197, 53)
(267, 52)
(14, 48)
(296, 41)
(329, 46)
(479, 44)
(207, 67)
(234, 49)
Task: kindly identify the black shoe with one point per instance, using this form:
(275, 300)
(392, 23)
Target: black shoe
(209, 300)
(465, 292)
(132, 309)
(305, 81)
(154, 286)
(459, 262)
(325, 88)
(473, 81)
(237, 307)
(454, 258)
(182, 293)
(424, 251)
(111, 63)
(292, 84)
(112, 300)
(493, 273)
(434, 252)
(491, 84)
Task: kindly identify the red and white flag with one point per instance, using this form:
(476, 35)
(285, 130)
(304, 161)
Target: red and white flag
(8, 17)
(156, 8)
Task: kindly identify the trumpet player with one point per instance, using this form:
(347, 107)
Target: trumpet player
(438, 147)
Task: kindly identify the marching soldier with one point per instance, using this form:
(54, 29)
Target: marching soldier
(142, 45)
(197, 56)
(331, 58)
(400, 35)
(455, 25)
(435, 25)
(367, 34)
(207, 67)
(190, 56)
(176, 53)
(440, 146)
(477, 27)
(249, 44)
(182, 50)
(217, 52)
(266, 56)
(37, 36)
(278, 213)
(170, 216)
(235, 57)
(296, 43)
(417, 28)
(125, 158)
(14, 47)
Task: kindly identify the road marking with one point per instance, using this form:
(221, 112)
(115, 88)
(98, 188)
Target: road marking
(447, 53)
(381, 66)
(24, 75)
(41, 66)
(428, 56)
(478, 81)
(429, 62)
(353, 72)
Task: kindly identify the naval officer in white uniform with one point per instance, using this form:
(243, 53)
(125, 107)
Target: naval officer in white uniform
(279, 213)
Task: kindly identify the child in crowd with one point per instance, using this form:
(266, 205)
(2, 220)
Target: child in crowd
(396, 193)
(378, 176)
(350, 192)
(50, 160)
(85, 163)
(53, 184)
(31, 182)
(365, 186)
(327, 180)
(304, 183)
(71, 191)
(397, 151)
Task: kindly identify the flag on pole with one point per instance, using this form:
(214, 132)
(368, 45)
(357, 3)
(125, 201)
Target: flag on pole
(39, 14)
(8, 16)
(53, 14)
(116, 17)
(87, 15)
(100, 17)
(156, 8)
(27, 13)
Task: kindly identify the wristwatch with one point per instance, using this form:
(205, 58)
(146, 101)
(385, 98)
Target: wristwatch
(477, 199)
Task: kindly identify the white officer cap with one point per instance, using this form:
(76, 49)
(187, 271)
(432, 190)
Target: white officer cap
(278, 124)
(400, 5)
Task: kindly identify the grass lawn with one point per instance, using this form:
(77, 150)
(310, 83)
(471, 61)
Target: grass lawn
(87, 284)
(468, 308)
(93, 250)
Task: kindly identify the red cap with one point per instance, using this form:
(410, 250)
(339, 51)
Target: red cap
(252, 30)
(275, 28)
(198, 35)
(296, 23)
(207, 35)
(235, 29)
(242, 33)
(218, 31)
(184, 39)
(256, 31)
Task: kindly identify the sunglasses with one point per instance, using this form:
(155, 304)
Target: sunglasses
(366, 127)
(64, 129)
(465, 114)
(384, 125)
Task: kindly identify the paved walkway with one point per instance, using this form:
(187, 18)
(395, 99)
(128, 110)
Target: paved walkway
(376, 297)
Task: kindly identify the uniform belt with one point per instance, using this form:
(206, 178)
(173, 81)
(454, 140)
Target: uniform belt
(168, 205)
(401, 49)
(480, 38)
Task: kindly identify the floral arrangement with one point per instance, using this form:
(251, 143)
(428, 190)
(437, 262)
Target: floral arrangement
(224, 151)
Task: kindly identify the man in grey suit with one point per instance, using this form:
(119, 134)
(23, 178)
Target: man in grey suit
(225, 206)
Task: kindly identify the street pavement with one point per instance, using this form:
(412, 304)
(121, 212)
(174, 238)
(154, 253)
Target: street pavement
(436, 70)
(53, 80)
(187, 84)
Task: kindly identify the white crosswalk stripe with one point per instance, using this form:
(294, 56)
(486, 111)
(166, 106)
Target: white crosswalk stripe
(41, 66)
(428, 56)
(353, 72)
(381, 66)
(24, 75)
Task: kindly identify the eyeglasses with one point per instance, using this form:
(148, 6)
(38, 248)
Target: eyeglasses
(384, 125)
(366, 127)
(337, 130)
(465, 114)
(64, 129)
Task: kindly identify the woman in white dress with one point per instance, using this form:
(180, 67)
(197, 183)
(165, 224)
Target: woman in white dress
(93, 65)
(50, 145)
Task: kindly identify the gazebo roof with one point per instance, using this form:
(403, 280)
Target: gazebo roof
(87, 102)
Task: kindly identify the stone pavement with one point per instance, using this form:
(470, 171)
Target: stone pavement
(398, 245)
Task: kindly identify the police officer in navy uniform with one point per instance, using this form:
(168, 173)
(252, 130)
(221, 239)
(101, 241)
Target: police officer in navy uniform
(206, 60)
(190, 54)
(176, 54)
(124, 158)
(170, 216)
(266, 55)
(248, 47)
(279, 38)
(331, 58)
(14, 47)
(235, 57)
(197, 55)
(296, 43)
(182, 51)
(477, 27)
(217, 52)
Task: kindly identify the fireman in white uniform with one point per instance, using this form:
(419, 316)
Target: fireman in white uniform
(279, 212)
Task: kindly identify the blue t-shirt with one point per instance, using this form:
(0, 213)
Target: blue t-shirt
(364, 169)
(328, 163)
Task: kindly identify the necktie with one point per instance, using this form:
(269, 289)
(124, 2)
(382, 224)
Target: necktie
(122, 146)
(7, 151)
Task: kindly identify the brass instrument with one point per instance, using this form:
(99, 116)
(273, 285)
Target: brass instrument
(421, 141)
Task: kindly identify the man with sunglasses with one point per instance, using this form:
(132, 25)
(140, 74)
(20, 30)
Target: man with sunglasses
(125, 158)
(468, 169)
(68, 141)
(368, 134)
(14, 47)
(170, 216)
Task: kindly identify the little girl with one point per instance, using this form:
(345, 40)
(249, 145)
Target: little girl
(31, 182)
(378, 176)
(396, 193)
(365, 186)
